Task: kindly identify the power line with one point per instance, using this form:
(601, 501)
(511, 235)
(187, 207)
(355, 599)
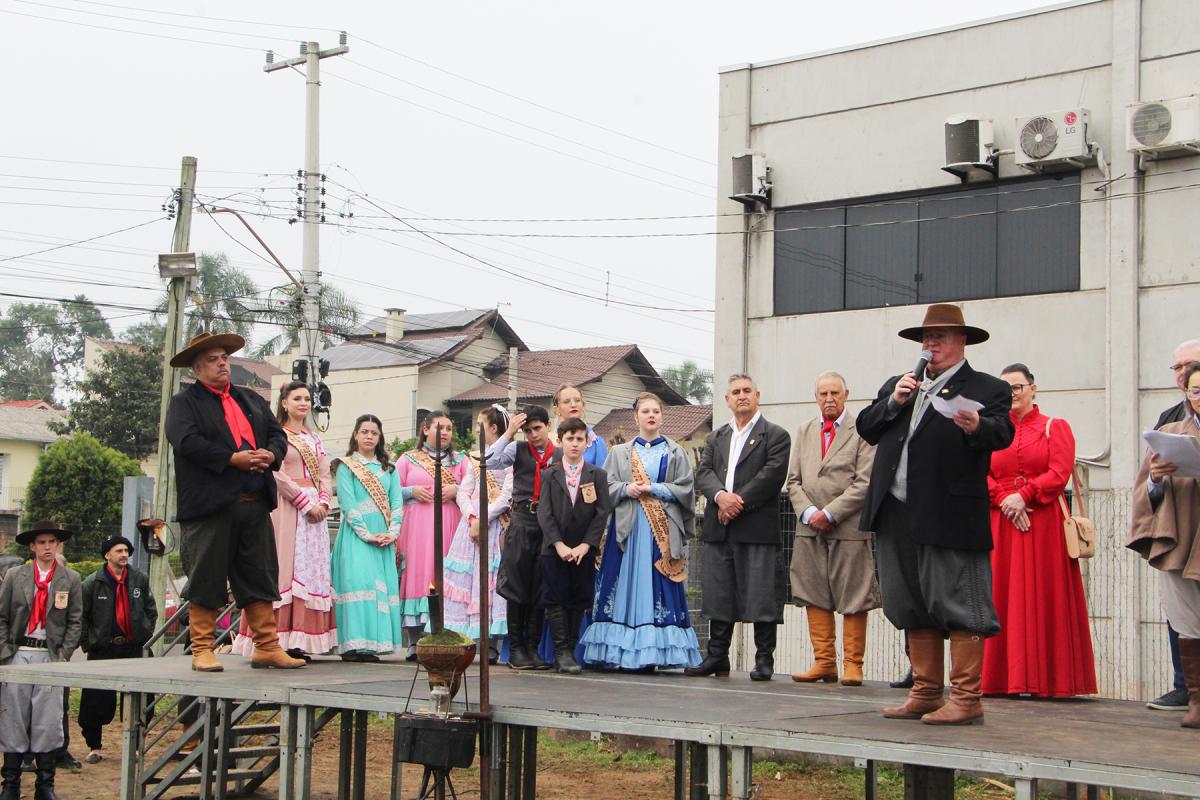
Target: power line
(152, 22)
(126, 30)
(158, 218)
(201, 16)
(143, 166)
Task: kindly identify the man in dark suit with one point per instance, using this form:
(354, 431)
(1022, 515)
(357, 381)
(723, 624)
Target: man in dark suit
(1186, 354)
(741, 474)
(928, 506)
(227, 445)
(572, 515)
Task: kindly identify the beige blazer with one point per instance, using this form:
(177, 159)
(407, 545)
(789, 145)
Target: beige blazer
(837, 483)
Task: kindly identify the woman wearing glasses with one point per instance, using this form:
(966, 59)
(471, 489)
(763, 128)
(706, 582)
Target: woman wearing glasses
(1044, 648)
(1166, 532)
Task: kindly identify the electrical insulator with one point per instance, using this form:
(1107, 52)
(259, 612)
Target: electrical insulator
(299, 173)
(304, 48)
(342, 39)
(270, 56)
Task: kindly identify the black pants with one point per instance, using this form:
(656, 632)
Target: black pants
(568, 585)
(97, 707)
(235, 545)
(520, 579)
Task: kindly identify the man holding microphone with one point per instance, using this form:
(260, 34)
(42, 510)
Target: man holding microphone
(928, 506)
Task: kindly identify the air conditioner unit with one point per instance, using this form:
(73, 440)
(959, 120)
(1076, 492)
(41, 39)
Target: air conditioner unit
(751, 179)
(1164, 128)
(1054, 141)
(969, 145)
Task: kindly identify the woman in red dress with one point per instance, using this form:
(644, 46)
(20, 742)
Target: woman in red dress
(1045, 647)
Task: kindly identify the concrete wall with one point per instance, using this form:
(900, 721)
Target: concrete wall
(868, 121)
(20, 459)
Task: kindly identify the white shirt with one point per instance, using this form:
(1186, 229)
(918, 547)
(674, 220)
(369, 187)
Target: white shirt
(808, 512)
(737, 442)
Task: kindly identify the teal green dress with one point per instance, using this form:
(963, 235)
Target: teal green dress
(365, 579)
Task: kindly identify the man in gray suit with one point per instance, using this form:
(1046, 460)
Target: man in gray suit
(833, 566)
(41, 609)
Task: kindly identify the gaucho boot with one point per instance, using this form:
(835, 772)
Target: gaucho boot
(535, 624)
(854, 648)
(822, 632)
(966, 668)
(44, 786)
(11, 773)
(564, 649)
(764, 651)
(1189, 657)
(267, 652)
(202, 628)
(518, 650)
(720, 634)
(926, 651)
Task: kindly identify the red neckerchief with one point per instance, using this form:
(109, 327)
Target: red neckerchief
(542, 462)
(828, 430)
(122, 603)
(41, 598)
(235, 418)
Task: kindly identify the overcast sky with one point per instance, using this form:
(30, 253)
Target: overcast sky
(459, 111)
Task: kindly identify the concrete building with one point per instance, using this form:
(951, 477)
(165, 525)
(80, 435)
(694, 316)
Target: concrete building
(24, 436)
(1087, 275)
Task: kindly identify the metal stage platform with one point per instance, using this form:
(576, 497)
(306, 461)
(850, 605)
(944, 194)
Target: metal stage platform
(716, 724)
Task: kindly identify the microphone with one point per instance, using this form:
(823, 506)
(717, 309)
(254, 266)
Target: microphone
(922, 363)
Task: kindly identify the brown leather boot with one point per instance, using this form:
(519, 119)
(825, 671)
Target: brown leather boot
(1189, 657)
(966, 665)
(267, 652)
(926, 649)
(854, 646)
(823, 634)
(202, 627)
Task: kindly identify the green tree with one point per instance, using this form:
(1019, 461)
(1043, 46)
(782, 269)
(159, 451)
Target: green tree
(459, 443)
(119, 402)
(689, 380)
(79, 482)
(220, 299)
(147, 335)
(41, 346)
(336, 312)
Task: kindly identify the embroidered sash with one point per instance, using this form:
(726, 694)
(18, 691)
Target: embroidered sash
(311, 462)
(425, 462)
(371, 483)
(493, 491)
(673, 568)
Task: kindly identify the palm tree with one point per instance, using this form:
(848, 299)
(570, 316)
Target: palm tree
(337, 313)
(220, 299)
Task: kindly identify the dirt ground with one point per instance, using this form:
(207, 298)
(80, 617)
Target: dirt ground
(567, 769)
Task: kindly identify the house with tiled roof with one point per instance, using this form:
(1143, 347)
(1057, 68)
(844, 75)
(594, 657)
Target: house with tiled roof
(610, 378)
(250, 373)
(688, 425)
(24, 435)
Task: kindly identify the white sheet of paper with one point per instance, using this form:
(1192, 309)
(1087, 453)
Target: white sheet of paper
(1181, 450)
(948, 407)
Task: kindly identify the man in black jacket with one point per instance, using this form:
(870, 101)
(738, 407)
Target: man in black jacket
(741, 474)
(928, 505)
(119, 616)
(227, 445)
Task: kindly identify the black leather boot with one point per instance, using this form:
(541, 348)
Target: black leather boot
(11, 772)
(518, 651)
(564, 650)
(44, 786)
(720, 634)
(764, 651)
(533, 636)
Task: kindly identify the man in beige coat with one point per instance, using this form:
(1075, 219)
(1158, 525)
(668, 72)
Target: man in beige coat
(833, 566)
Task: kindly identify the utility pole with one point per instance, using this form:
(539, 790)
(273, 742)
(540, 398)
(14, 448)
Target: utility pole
(512, 380)
(179, 266)
(313, 210)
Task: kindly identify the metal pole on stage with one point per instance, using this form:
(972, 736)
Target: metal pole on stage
(435, 590)
(485, 700)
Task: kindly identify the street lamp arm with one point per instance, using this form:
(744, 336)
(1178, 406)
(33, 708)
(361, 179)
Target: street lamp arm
(286, 271)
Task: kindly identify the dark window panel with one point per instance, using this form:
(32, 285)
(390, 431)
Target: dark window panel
(957, 258)
(881, 254)
(809, 264)
(1038, 248)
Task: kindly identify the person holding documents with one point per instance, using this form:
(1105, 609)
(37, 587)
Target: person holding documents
(1166, 532)
(928, 506)
(1044, 647)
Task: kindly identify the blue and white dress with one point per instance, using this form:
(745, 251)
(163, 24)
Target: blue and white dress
(640, 617)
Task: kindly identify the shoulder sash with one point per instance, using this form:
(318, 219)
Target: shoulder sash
(311, 462)
(673, 568)
(371, 483)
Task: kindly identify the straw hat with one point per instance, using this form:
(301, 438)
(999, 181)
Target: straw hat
(945, 315)
(229, 342)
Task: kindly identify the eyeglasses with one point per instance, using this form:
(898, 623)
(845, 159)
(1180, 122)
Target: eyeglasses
(1018, 387)
(1182, 365)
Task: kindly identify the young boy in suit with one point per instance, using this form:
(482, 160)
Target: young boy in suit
(572, 516)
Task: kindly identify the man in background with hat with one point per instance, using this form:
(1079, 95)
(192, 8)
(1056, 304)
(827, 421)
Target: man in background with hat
(227, 444)
(40, 610)
(119, 616)
(928, 506)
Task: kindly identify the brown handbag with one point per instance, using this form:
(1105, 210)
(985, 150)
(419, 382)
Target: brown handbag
(1078, 531)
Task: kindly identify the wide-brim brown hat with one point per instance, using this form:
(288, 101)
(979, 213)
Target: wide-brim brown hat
(44, 526)
(229, 342)
(945, 315)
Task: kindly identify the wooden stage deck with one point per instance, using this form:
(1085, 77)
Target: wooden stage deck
(1099, 743)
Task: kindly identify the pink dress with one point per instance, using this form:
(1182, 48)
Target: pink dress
(414, 550)
(304, 614)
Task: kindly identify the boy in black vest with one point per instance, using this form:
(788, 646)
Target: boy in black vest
(572, 515)
(519, 581)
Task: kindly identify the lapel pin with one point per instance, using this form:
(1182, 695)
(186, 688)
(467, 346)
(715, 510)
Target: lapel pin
(751, 441)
